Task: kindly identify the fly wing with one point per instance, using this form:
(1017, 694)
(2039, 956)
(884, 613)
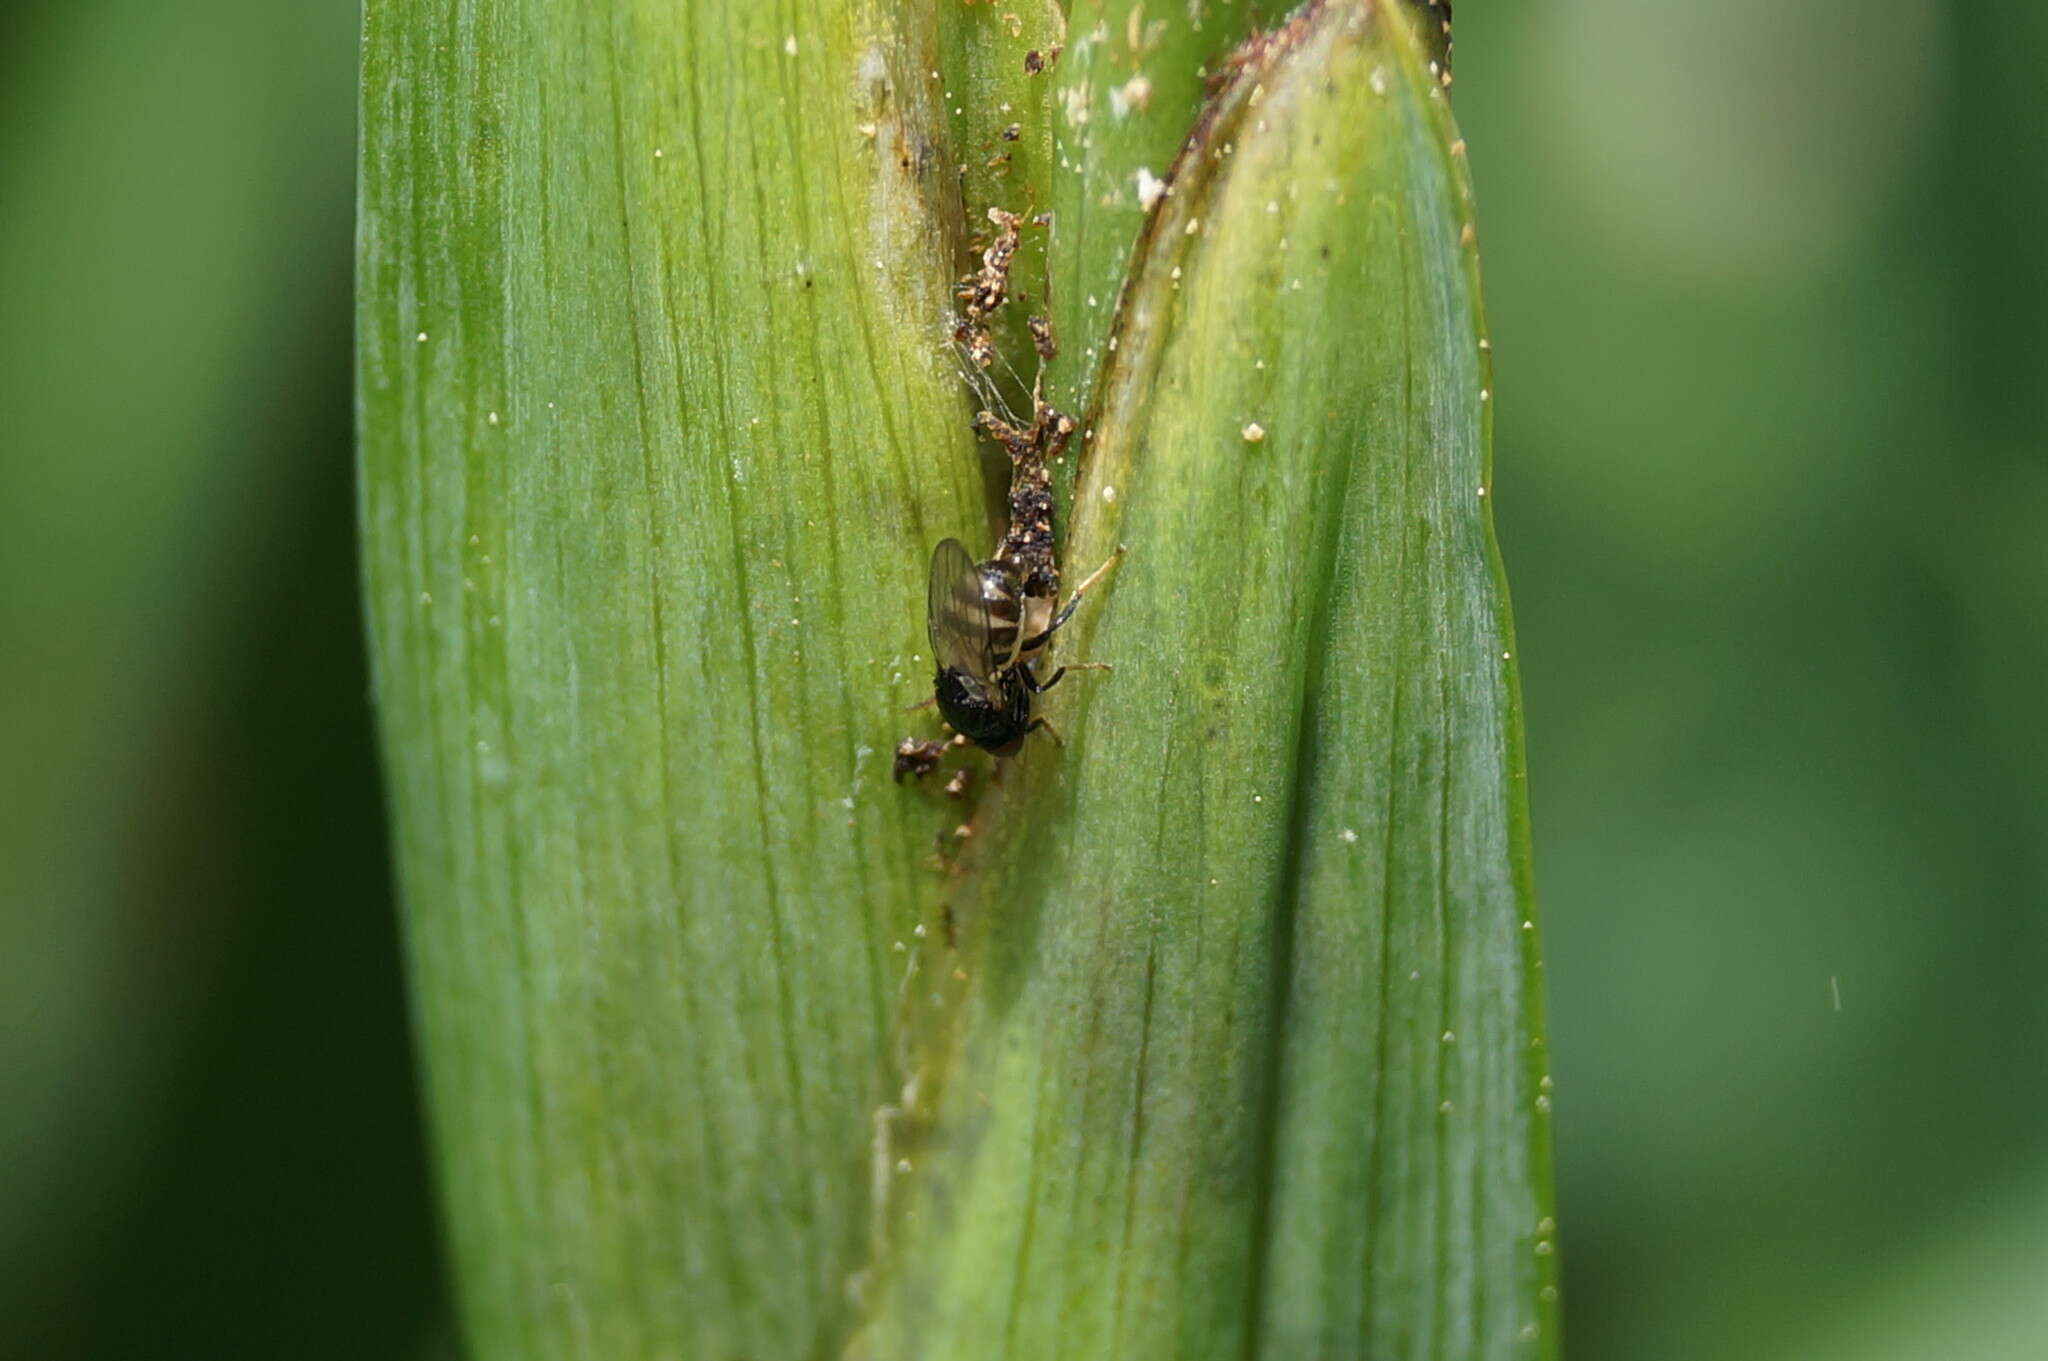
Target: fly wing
(958, 617)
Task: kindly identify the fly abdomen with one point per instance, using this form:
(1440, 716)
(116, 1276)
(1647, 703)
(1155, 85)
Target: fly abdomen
(1002, 598)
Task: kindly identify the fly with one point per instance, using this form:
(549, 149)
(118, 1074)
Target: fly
(987, 632)
(989, 621)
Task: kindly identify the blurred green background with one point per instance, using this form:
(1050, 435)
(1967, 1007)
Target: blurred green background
(1764, 282)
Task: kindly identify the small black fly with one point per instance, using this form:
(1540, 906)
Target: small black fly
(990, 620)
(987, 630)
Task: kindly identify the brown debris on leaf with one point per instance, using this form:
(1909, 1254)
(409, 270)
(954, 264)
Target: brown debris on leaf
(987, 289)
(1041, 337)
(1028, 543)
(918, 759)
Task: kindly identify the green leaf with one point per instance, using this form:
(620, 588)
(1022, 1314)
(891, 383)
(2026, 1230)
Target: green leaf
(1246, 1057)
(1128, 87)
(658, 423)
(1220, 1035)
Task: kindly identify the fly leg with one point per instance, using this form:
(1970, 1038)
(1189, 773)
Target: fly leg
(1050, 731)
(1039, 687)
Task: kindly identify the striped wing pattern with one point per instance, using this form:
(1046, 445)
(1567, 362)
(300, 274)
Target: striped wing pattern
(958, 614)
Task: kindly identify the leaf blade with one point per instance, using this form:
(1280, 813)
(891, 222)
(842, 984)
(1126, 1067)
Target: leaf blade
(658, 421)
(1188, 1101)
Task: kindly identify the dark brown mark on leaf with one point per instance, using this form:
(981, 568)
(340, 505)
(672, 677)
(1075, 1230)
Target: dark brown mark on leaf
(987, 289)
(917, 759)
(1028, 544)
(1036, 61)
(1041, 337)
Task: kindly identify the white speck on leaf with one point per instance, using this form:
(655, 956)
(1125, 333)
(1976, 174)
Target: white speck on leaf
(1134, 93)
(1150, 188)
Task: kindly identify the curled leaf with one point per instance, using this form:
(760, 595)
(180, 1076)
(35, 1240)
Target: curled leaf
(1234, 1047)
